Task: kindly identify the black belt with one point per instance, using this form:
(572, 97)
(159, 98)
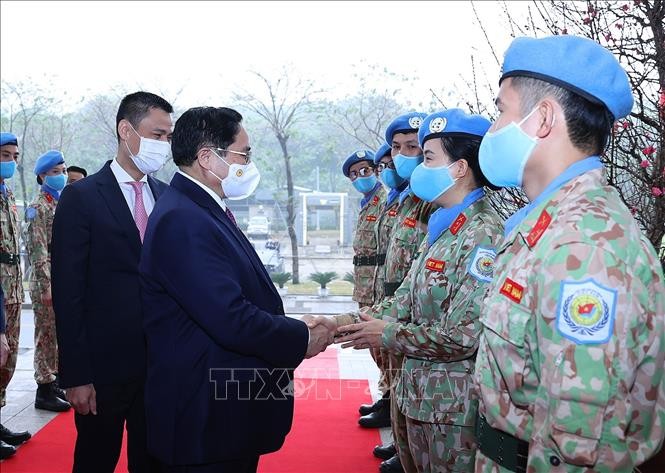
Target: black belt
(8, 258)
(389, 288)
(500, 447)
(381, 259)
(364, 260)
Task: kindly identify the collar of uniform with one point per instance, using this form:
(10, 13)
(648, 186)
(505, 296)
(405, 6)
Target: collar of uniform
(538, 219)
(369, 195)
(50, 193)
(442, 219)
(217, 198)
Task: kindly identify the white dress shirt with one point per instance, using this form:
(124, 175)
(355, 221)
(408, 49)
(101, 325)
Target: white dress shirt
(128, 191)
(217, 198)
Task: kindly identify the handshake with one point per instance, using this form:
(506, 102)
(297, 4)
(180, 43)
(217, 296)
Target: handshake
(323, 331)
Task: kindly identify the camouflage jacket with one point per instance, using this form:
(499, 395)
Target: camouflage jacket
(40, 215)
(365, 244)
(10, 274)
(572, 357)
(406, 236)
(437, 309)
(384, 229)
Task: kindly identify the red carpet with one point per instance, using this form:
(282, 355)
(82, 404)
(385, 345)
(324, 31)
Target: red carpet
(325, 437)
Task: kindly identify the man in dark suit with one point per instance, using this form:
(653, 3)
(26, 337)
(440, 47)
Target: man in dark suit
(98, 231)
(221, 353)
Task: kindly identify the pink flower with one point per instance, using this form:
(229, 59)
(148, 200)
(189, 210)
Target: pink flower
(625, 7)
(661, 101)
(625, 125)
(618, 26)
(656, 191)
(586, 20)
(633, 210)
(645, 164)
(608, 36)
(564, 31)
(649, 150)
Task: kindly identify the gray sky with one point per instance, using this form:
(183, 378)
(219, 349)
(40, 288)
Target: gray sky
(206, 48)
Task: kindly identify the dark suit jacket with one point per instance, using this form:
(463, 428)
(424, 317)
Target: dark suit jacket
(95, 253)
(220, 350)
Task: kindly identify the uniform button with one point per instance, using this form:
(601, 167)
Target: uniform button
(555, 461)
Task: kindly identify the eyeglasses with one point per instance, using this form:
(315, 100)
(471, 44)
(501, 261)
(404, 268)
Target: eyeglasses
(362, 172)
(382, 166)
(247, 155)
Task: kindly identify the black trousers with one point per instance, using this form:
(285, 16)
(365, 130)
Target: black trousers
(247, 465)
(99, 438)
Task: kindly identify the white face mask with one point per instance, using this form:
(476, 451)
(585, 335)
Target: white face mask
(242, 180)
(152, 154)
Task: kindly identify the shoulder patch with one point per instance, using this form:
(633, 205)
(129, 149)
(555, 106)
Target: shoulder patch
(586, 311)
(30, 213)
(457, 224)
(481, 265)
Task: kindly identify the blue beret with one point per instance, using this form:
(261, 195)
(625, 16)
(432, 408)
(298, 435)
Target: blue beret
(8, 139)
(452, 122)
(574, 63)
(358, 156)
(381, 152)
(48, 160)
(407, 123)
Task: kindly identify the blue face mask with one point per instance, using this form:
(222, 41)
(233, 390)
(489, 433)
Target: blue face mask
(404, 165)
(7, 169)
(56, 182)
(430, 183)
(503, 154)
(365, 184)
(391, 178)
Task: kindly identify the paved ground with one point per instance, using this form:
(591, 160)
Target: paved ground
(20, 412)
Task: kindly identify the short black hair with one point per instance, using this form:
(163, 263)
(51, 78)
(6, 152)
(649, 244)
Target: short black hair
(201, 127)
(467, 147)
(77, 169)
(134, 108)
(589, 124)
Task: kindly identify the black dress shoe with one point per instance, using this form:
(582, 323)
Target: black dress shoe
(13, 438)
(391, 466)
(47, 399)
(6, 450)
(385, 452)
(377, 419)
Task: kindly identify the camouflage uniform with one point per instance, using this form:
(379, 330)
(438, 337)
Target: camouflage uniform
(11, 278)
(437, 310)
(407, 234)
(38, 244)
(365, 246)
(572, 357)
(384, 229)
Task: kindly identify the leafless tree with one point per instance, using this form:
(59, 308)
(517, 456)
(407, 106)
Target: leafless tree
(281, 105)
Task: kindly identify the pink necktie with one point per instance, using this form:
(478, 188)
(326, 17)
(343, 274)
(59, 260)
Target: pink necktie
(231, 217)
(140, 215)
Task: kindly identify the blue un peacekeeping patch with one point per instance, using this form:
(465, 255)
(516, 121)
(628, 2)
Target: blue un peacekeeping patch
(481, 266)
(30, 213)
(586, 311)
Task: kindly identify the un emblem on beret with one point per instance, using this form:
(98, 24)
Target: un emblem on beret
(438, 125)
(414, 122)
(360, 154)
(239, 173)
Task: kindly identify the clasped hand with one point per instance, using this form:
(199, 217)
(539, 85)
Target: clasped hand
(321, 334)
(367, 334)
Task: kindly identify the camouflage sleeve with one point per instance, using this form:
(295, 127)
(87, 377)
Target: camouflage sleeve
(38, 246)
(456, 335)
(600, 358)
